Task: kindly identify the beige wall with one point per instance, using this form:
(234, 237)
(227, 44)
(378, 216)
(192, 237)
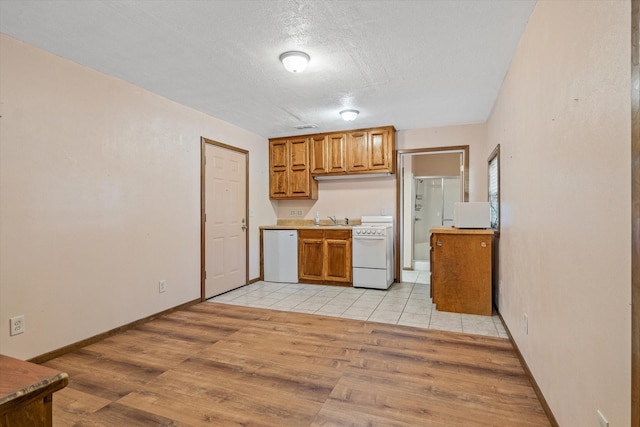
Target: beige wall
(443, 164)
(473, 135)
(100, 199)
(562, 120)
(350, 197)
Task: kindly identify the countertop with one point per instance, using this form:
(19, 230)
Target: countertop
(453, 230)
(303, 224)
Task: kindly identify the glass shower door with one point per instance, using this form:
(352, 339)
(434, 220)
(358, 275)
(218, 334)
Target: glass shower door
(433, 207)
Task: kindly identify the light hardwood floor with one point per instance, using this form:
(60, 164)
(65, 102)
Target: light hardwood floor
(223, 365)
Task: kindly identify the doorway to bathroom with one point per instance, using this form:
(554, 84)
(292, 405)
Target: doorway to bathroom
(430, 181)
(433, 207)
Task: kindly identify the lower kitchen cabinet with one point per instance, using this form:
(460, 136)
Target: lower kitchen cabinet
(324, 256)
(461, 270)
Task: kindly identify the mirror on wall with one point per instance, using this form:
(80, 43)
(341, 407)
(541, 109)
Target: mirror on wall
(430, 181)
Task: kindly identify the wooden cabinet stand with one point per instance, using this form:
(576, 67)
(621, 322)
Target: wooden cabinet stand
(26, 392)
(461, 270)
(324, 256)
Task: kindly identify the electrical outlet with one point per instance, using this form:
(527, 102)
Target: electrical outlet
(292, 212)
(299, 212)
(526, 324)
(162, 286)
(17, 325)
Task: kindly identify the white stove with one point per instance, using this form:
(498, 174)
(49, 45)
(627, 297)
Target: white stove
(371, 230)
(372, 254)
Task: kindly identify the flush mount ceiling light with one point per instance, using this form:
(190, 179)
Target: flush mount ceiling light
(294, 61)
(349, 115)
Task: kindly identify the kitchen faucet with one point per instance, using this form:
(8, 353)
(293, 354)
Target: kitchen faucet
(334, 219)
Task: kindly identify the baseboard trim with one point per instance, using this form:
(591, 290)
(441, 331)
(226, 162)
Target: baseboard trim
(75, 346)
(534, 384)
(257, 279)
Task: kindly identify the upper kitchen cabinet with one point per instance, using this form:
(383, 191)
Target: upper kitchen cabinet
(380, 149)
(362, 151)
(294, 161)
(289, 174)
(328, 153)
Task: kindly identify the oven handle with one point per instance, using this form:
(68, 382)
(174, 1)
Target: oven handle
(368, 237)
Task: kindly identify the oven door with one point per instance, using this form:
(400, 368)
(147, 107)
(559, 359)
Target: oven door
(369, 252)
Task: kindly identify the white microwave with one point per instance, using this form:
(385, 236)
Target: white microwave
(472, 215)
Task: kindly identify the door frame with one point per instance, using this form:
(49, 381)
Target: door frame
(400, 191)
(635, 211)
(203, 142)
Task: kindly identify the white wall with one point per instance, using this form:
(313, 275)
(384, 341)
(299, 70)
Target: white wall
(100, 199)
(562, 120)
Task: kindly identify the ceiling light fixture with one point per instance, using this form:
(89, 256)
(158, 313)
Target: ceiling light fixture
(294, 61)
(349, 115)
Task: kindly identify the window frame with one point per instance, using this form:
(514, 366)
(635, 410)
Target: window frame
(495, 155)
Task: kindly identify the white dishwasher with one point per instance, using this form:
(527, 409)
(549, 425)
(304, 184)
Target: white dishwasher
(280, 253)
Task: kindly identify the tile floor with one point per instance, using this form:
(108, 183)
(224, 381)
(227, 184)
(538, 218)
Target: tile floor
(405, 303)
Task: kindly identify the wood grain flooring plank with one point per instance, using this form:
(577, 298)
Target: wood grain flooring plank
(310, 384)
(72, 406)
(94, 374)
(116, 414)
(225, 365)
(414, 403)
(195, 398)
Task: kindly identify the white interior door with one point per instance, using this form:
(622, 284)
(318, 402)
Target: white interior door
(225, 222)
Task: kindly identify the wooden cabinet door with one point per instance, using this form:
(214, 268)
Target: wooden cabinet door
(319, 154)
(328, 153)
(461, 273)
(357, 156)
(337, 153)
(298, 168)
(337, 255)
(278, 168)
(311, 255)
(379, 150)
(298, 154)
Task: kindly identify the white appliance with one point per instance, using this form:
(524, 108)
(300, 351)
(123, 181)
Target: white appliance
(372, 252)
(280, 252)
(472, 215)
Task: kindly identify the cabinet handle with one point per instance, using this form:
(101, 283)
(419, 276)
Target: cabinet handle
(439, 243)
(483, 244)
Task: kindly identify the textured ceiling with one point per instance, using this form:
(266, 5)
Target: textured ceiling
(411, 64)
